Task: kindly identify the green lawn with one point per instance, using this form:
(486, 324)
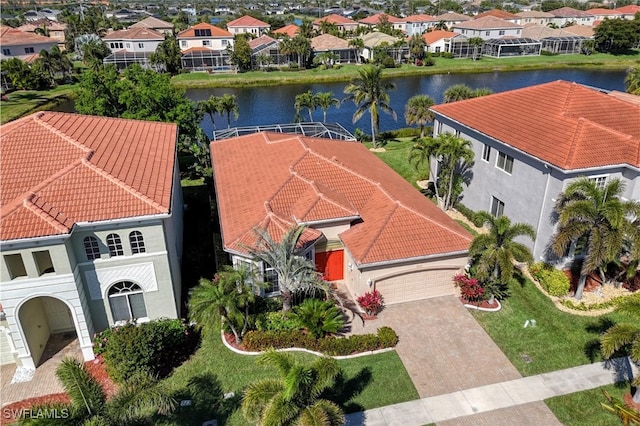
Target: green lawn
(559, 340)
(23, 102)
(396, 155)
(369, 382)
(583, 408)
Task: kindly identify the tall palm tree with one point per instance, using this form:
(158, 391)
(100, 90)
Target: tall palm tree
(457, 92)
(294, 397)
(597, 216)
(417, 46)
(421, 155)
(495, 252)
(370, 92)
(295, 272)
(625, 335)
(476, 43)
(137, 401)
(632, 81)
(211, 107)
(228, 104)
(417, 111)
(225, 300)
(454, 152)
(305, 100)
(358, 44)
(326, 100)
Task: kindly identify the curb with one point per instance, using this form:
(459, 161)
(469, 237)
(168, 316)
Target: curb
(478, 308)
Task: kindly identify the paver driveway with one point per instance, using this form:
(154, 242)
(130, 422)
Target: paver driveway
(442, 346)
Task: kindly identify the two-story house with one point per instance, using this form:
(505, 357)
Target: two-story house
(22, 45)
(375, 20)
(488, 27)
(248, 25)
(570, 16)
(530, 143)
(131, 46)
(341, 23)
(52, 29)
(534, 17)
(204, 47)
(419, 24)
(90, 227)
(152, 23)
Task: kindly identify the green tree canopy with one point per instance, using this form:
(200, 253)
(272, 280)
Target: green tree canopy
(617, 35)
(240, 53)
(417, 111)
(168, 55)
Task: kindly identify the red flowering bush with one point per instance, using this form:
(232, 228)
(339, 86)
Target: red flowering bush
(371, 302)
(470, 288)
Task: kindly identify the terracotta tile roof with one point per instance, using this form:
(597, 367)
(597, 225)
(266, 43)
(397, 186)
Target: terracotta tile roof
(305, 179)
(153, 23)
(630, 9)
(534, 14)
(58, 169)
(569, 12)
(485, 23)
(604, 12)
(291, 30)
(562, 123)
(580, 30)
(14, 37)
(433, 36)
(627, 97)
(30, 27)
(215, 31)
(262, 40)
(375, 19)
(247, 21)
(138, 33)
(421, 17)
(335, 19)
(497, 13)
(453, 16)
(538, 32)
(329, 42)
(376, 38)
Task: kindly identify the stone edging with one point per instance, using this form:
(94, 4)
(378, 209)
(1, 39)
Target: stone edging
(478, 308)
(241, 352)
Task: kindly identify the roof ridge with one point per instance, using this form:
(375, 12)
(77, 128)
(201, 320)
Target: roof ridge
(574, 140)
(123, 185)
(321, 194)
(38, 211)
(430, 219)
(64, 136)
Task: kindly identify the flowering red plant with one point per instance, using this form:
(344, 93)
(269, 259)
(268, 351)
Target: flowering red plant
(470, 288)
(371, 302)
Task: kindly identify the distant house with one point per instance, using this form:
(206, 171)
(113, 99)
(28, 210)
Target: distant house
(339, 46)
(248, 25)
(132, 46)
(452, 18)
(530, 143)
(290, 30)
(54, 29)
(38, 15)
(91, 237)
(367, 227)
(559, 40)
(501, 14)
(438, 41)
(376, 39)
(374, 20)
(341, 23)
(534, 18)
(204, 48)
(22, 45)
(418, 24)
(629, 11)
(268, 49)
(487, 28)
(569, 16)
(151, 23)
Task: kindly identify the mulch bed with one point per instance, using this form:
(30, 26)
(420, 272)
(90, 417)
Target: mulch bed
(96, 368)
(482, 304)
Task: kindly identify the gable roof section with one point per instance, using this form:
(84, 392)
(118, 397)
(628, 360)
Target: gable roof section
(247, 21)
(433, 36)
(534, 14)
(565, 124)
(569, 12)
(266, 178)
(58, 169)
(453, 16)
(138, 33)
(630, 9)
(329, 42)
(421, 17)
(375, 19)
(486, 23)
(335, 19)
(260, 41)
(291, 30)
(153, 23)
(215, 31)
(497, 13)
(14, 37)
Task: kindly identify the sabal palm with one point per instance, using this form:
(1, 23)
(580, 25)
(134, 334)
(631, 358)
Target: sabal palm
(305, 100)
(625, 335)
(458, 92)
(417, 111)
(596, 215)
(495, 252)
(228, 104)
(295, 272)
(294, 397)
(226, 299)
(137, 401)
(370, 93)
(452, 150)
(211, 107)
(326, 100)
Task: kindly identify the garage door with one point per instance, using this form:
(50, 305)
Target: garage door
(416, 285)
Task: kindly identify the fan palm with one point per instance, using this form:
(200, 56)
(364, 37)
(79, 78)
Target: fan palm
(625, 335)
(495, 252)
(228, 104)
(294, 397)
(597, 216)
(417, 111)
(326, 100)
(370, 92)
(457, 92)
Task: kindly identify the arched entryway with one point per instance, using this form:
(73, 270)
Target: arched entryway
(47, 325)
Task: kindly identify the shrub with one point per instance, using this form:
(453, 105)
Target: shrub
(371, 302)
(553, 281)
(155, 347)
(388, 62)
(447, 55)
(429, 61)
(277, 321)
(388, 337)
(470, 288)
(319, 317)
(632, 284)
(547, 53)
(475, 218)
(410, 132)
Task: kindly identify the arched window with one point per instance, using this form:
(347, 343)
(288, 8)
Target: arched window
(91, 248)
(115, 245)
(127, 301)
(137, 242)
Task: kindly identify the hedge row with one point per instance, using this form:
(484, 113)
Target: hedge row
(470, 214)
(554, 281)
(329, 345)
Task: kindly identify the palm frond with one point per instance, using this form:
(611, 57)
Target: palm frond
(83, 389)
(617, 337)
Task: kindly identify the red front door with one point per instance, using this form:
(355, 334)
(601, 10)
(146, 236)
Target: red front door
(331, 264)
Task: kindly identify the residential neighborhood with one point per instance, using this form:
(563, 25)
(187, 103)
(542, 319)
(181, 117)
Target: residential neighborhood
(276, 213)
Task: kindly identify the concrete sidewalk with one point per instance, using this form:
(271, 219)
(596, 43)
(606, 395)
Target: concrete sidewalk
(499, 396)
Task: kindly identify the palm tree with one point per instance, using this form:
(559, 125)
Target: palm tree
(476, 43)
(211, 107)
(226, 299)
(441, 25)
(421, 155)
(228, 104)
(47, 65)
(625, 335)
(305, 100)
(294, 397)
(326, 100)
(358, 44)
(452, 150)
(417, 111)
(494, 253)
(137, 401)
(416, 46)
(458, 92)
(370, 92)
(632, 81)
(295, 272)
(596, 216)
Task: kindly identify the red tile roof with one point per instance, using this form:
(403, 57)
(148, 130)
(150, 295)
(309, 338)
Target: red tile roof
(137, 33)
(325, 42)
(486, 23)
(335, 19)
(14, 37)
(433, 36)
(630, 9)
(602, 11)
(215, 31)
(247, 21)
(266, 178)
(565, 124)
(57, 169)
(375, 19)
(30, 27)
(497, 13)
(291, 30)
(421, 17)
(260, 41)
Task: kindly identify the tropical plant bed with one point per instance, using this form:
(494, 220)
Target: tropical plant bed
(482, 305)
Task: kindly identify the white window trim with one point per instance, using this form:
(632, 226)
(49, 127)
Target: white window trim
(505, 162)
(595, 179)
(486, 149)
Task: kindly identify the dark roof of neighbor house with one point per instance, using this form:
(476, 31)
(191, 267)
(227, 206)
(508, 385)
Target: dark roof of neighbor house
(58, 169)
(562, 123)
(275, 180)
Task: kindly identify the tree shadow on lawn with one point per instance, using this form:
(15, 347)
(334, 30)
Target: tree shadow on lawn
(592, 347)
(345, 389)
